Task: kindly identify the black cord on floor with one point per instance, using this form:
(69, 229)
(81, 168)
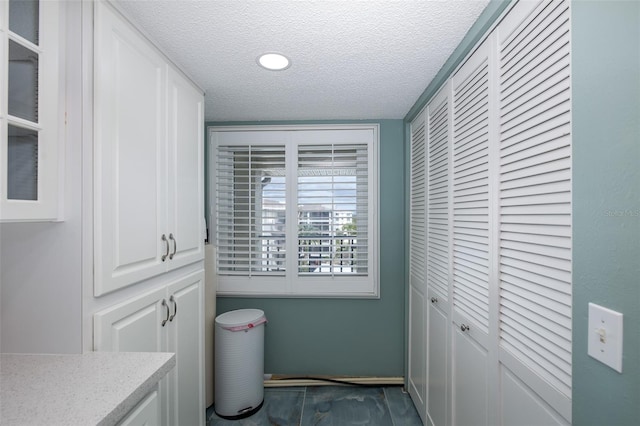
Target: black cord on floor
(341, 382)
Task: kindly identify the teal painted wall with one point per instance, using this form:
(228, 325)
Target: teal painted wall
(606, 194)
(350, 337)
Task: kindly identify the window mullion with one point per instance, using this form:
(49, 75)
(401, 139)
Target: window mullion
(291, 236)
(332, 232)
(250, 214)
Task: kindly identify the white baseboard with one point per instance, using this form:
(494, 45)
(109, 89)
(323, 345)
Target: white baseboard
(282, 381)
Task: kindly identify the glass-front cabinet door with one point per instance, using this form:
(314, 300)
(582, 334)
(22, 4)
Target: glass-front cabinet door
(30, 111)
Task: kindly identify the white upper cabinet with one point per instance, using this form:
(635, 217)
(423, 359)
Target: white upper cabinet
(185, 171)
(148, 170)
(129, 154)
(31, 111)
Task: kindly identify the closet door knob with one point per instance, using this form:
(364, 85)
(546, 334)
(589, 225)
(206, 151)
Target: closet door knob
(175, 246)
(164, 256)
(166, 305)
(175, 307)
(464, 327)
(434, 300)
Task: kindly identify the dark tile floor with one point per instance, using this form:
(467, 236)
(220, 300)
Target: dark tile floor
(330, 406)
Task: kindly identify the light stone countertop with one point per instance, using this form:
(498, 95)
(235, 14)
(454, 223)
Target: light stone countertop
(95, 388)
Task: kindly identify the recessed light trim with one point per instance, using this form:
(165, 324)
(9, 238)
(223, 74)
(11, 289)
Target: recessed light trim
(273, 61)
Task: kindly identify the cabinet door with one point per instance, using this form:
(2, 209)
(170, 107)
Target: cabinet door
(186, 339)
(146, 413)
(438, 389)
(418, 275)
(472, 221)
(186, 172)
(535, 207)
(129, 154)
(418, 351)
(438, 255)
(132, 326)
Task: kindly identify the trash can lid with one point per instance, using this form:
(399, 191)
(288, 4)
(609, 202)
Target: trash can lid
(240, 317)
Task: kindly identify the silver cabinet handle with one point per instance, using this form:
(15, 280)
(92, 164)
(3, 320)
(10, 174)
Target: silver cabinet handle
(464, 327)
(175, 246)
(175, 307)
(164, 256)
(434, 300)
(166, 305)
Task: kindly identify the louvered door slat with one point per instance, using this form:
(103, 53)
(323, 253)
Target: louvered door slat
(557, 369)
(517, 48)
(532, 68)
(551, 300)
(544, 113)
(535, 88)
(466, 238)
(541, 240)
(533, 148)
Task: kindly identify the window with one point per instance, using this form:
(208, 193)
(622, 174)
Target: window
(294, 211)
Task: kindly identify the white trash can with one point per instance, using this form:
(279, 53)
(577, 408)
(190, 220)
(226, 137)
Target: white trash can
(239, 363)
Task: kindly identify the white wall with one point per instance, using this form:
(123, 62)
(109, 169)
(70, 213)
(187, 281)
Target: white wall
(41, 263)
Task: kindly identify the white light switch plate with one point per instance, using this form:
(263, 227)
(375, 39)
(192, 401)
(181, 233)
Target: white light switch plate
(605, 336)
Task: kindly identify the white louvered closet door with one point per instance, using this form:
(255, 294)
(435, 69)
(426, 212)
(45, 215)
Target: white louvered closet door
(417, 267)
(438, 254)
(535, 213)
(471, 239)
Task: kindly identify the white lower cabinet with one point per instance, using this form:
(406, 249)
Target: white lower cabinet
(186, 339)
(169, 318)
(437, 363)
(147, 413)
(417, 378)
(470, 387)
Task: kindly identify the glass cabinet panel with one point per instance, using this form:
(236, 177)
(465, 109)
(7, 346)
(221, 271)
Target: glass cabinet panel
(24, 19)
(23, 82)
(22, 164)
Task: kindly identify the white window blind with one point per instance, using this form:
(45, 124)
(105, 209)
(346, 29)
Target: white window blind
(250, 209)
(332, 209)
(535, 193)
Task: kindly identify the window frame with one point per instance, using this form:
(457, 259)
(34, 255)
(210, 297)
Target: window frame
(292, 284)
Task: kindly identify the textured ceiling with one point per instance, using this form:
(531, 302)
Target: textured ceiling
(350, 59)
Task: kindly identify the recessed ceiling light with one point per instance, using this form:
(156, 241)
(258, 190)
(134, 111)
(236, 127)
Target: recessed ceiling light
(274, 61)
